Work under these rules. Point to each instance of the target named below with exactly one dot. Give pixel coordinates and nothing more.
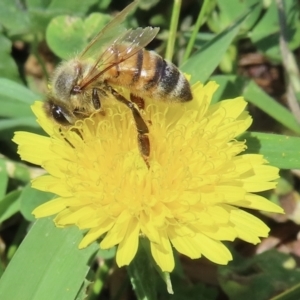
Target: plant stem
(196, 29)
(173, 29)
(289, 63)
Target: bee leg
(61, 133)
(138, 101)
(142, 128)
(95, 99)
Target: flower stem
(173, 29)
(143, 274)
(289, 63)
(200, 21)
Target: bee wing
(108, 34)
(133, 41)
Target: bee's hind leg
(141, 126)
(138, 101)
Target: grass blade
(48, 265)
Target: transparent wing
(108, 34)
(136, 38)
(123, 47)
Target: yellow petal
(129, 245)
(163, 255)
(50, 208)
(261, 203)
(117, 233)
(46, 123)
(185, 245)
(34, 154)
(96, 233)
(50, 183)
(248, 227)
(213, 250)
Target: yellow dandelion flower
(190, 197)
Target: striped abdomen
(149, 75)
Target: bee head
(59, 113)
(62, 100)
(65, 79)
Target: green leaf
(30, 199)
(195, 291)
(8, 67)
(202, 64)
(38, 3)
(47, 265)
(254, 94)
(18, 122)
(265, 35)
(68, 36)
(232, 9)
(20, 171)
(15, 99)
(100, 278)
(9, 205)
(228, 62)
(261, 277)
(42, 12)
(230, 86)
(147, 4)
(65, 35)
(68, 5)
(103, 4)
(107, 253)
(289, 294)
(279, 150)
(14, 17)
(3, 178)
(93, 24)
(82, 294)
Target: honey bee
(115, 57)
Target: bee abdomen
(169, 82)
(175, 84)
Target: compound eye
(59, 115)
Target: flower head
(189, 198)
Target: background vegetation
(249, 47)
